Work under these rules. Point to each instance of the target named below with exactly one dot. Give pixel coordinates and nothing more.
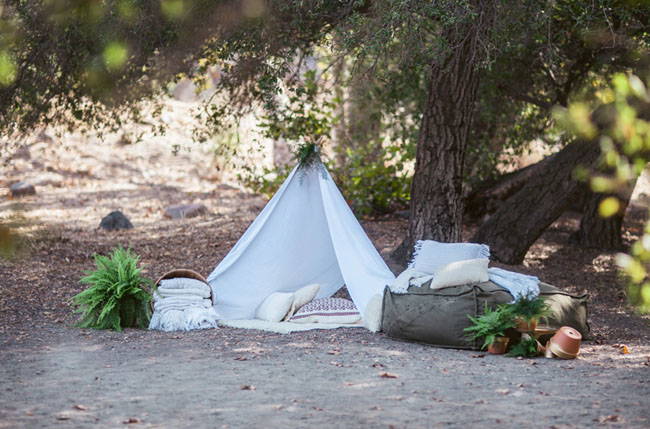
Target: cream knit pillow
(460, 273)
(302, 297)
(274, 307)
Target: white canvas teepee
(305, 234)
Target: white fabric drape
(306, 234)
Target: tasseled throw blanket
(182, 304)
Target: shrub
(117, 297)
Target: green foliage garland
(117, 297)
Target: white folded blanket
(516, 283)
(164, 293)
(183, 283)
(409, 277)
(182, 304)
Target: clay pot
(565, 343)
(499, 346)
(524, 325)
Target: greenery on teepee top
(117, 297)
(308, 153)
(492, 324)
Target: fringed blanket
(182, 304)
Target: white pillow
(460, 273)
(302, 297)
(372, 314)
(430, 254)
(274, 307)
(328, 310)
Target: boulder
(22, 189)
(114, 221)
(184, 210)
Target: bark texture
(490, 195)
(521, 220)
(436, 192)
(598, 232)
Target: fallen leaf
(387, 375)
(240, 358)
(378, 365)
(625, 350)
(503, 391)
(80, 407)
(63, 417)
(132, 420)
(338, 364)
(477, 356)
(247, 387)
(612, 418)
(334, 352)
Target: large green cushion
(439, 317)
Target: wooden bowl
(565, 343)
(186, 274)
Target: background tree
(453, 62)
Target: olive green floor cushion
(439, 317)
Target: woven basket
(188, 274)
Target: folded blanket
(409, 277)
(164, 293)
(184, 319)
(181, 303)
(183, 283)
(179, 298)
(516, 283)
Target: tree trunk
(490, 195)
(602, 233)
(436, 192)
(521, 220)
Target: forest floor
(55, 375)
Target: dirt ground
(55, 375)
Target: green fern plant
(118, 295)
(530, 306)
(491, 324)
(525, 348)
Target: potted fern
(528, 310)
(492, 326)
(118, 296)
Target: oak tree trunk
(512, 229)
(436, 207)
(598, 232)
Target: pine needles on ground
(117, 297)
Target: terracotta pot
(522, 324)
(565, 343)
(499, 346)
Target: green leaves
(622, 128)
(117, 297)
(493, 323)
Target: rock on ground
(184, 210)
(22, 189)
(115, 220)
